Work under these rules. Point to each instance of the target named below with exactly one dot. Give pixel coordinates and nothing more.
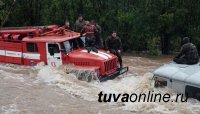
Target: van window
(32, 47)
(55, 48)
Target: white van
(184, 79)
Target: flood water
(43, 90)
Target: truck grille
(110, 65)
(82, 63)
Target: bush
(153, 46)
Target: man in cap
(114, 45)
(188, 54)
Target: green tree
(2, 12)
(142, 24)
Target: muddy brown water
(43, 90)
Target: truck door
(54, 54)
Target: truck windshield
(72, 44)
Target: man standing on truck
(99, 40)
(114, 46)
(189, 54)
(90, 32)
(67, 25)
(80, 22)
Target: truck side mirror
(51, 51)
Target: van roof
(189, 74)
(53, 37)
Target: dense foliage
(141, 24)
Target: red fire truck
(54, 46)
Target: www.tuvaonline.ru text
(142, 97)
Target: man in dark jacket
(114, 45)
(188, 54)
(80, 22)
(90, 32)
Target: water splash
(131, 83)
(10, 109)
(128, 84)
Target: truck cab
(55, 46)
